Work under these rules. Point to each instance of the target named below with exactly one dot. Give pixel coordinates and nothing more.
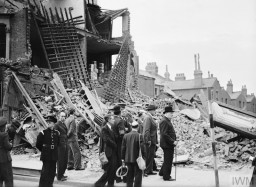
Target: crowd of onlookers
(122, 140)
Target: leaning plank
(92, 99)
(29, 100)
(62, 89)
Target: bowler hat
(3, 121)
(168, 109)
(51, 118)
(151, 107)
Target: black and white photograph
(127, 93)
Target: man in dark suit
(6, 175)
(132, 142)
(74, 154)
(119, 131)
(48, 142)
(63, 147)
(108, 146)
(167, 143)
(150, 138)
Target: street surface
(185, 177)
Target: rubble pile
(44, 94)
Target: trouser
(166, 168)
(6, 175)
(134, 173)
(74, 155)
(253, 179)
(62, 159)
(150, 154)
(47, 174)
(109, 172)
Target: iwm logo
(243, 180)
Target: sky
(170, 32)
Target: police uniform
(47, 142)
(6, 174)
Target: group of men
(122, 141)
(59, 148)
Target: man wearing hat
(119, 131)
(6, 175)
(132, 142)
(167, 143)
(150, 138)
(48, 142)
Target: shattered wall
(18, 35)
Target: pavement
(186, 176)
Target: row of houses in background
(152, 84)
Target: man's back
(130, 147)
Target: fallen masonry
(34, 96)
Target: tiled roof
(179, 85)
(158, 79)
(235, 95)
(190, 84)
(249, 98)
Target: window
(156, 91)
(2, 41)
(226, 101)
(240, 104)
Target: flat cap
(3, 121)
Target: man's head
(109, 118)
(168, 110)
(116, 110)
(62, 116)
(135, 125)
(3, 122)
(151, 109)
(51, 120)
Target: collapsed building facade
(73, 39)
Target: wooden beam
(29, 100)
(63, 91)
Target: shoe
(160, 174)
(151, 173)
(62, 179)
(70, 168)
(156, 169)
(65, 176)
(170, 179)
(80, 168)
(145, 175)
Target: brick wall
(18, 35)
(146, 85)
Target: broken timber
(60, 86)
(29, 100)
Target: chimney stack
(230, 87)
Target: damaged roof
(112, 14)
